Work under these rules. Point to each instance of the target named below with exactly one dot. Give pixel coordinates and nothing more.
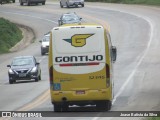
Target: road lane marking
(45, 96)
(29, 16)
(42, 59)
(37, 102)
(149, 21)
(143, 56)
(141, 59)
(102, 22)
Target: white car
(45, 44)
(69, 3)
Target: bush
(149, 2)
(7, 1)
(9, 35)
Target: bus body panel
(80, 68)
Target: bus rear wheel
(65, 107)
(103, 105)
(61, 107)
(57, 108)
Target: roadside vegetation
(154, 118)
(10, 34)
(148, 2)
(6, 1)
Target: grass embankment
(154, 118)
(148, 2)
(10, 34)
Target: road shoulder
(28, 38)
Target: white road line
(144, 54)
(140, 60)
(42, 59)
(29, 16)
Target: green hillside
(10, 34)
(149, 2)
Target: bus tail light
(107, 75)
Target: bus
(80, 66)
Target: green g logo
(78, 40)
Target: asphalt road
(134, 31)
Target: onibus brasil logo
(78, 40)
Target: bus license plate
(80, 92)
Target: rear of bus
(80, 67)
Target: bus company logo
(78, 40)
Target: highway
(134, 31)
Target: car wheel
(109, 105)
(67, 5)
(82, 5)
(13, 1)
(61, 5)
(42, 53)
(28, 2)
(21, 3)
(103, 105)
(43, 3)
(11, 81)
(65, 107)
(37, 79)
(39, 76)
